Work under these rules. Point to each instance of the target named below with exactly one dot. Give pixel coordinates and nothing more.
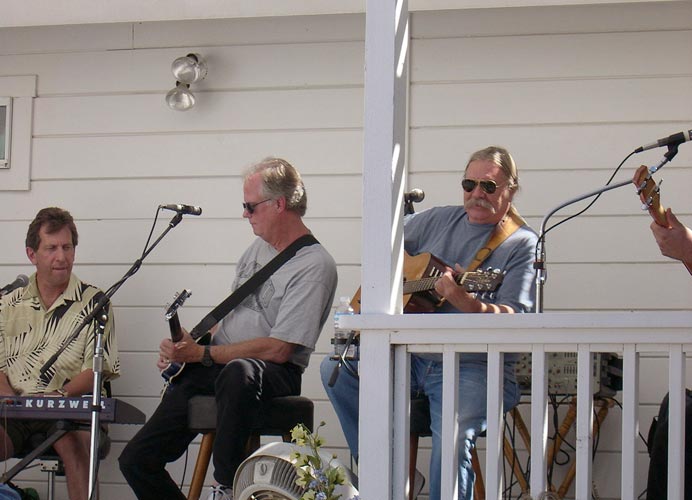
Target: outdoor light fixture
(187, 70)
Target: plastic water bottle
(341, 335)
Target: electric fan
(269, 474)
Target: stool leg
(201, 466)
(51, 485)
(510, 453)
(253, 444)
(478, 484)
(413, 458)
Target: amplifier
(606, 373)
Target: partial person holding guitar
(35, 320)
(673, 237)
(258, 350)
(486, 231)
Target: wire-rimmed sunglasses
(488, 186)
(250, 207)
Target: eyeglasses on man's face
(488, 186)
(250, 207)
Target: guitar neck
(174, 326)
(425, 284)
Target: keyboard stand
(63, 427)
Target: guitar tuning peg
(642, 185)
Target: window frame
(6, 138)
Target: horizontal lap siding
(107, 148)
(569, 90)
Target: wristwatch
(206, 357)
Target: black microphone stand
(101, 317)
(539, 264)
(342, 357)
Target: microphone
(414, 196)
(671, 140)
(183, 209)
(22, 280)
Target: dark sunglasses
(250, 207)
(469, 185)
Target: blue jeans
(426, 379)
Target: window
(16, 116)
(5, 128)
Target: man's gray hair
(281, 179)
(500, 157)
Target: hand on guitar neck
(170, 368)
(672, 237)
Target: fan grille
(269, 495)
(280, 486)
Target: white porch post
(386, 74)
(676, 422)
(584, 435)
(630, 419)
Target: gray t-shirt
(446, 233)
(292, 305)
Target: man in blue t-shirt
(457, 235)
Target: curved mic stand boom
(101, 317)
(539, 264)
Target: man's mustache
(479, 202)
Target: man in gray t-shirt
(258, 351)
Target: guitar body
(420, 274)
(419, 267)
(175, 369)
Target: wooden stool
(277, 418)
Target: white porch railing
(387, 340)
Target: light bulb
(189, 69)
(180, 98)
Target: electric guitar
(171, 315)
(422, 271)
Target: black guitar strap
(235, 298)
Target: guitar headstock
(482, 281)
(650, 195)
(178, 300)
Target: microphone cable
(541, 238)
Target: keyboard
(68, 408)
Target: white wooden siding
(569, 90)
